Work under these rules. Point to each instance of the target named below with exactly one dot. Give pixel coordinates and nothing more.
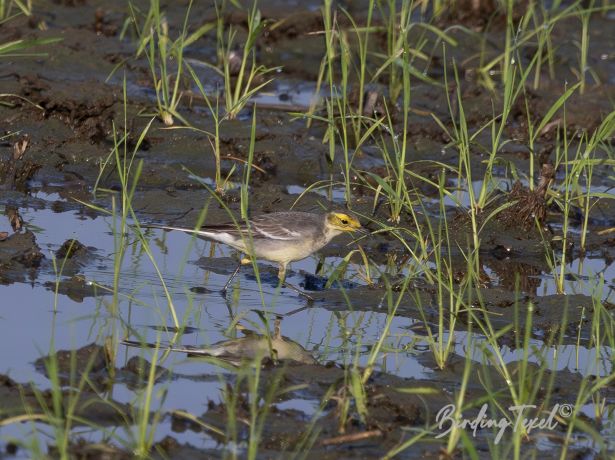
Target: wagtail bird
(281, 237)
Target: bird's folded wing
(274, 231)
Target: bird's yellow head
(342, 222)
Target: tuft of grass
(12, 8)
(243, 77)
(165, 56)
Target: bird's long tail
(221, 233)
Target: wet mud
(58, 112)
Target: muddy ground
(57, 115)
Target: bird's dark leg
(230, 280)
(282, 278)
(232, 277)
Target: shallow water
(37, 319)
(33, 318)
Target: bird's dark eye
(344, 221)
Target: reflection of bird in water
(252, 346)
(281, 237)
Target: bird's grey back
(299, 223)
